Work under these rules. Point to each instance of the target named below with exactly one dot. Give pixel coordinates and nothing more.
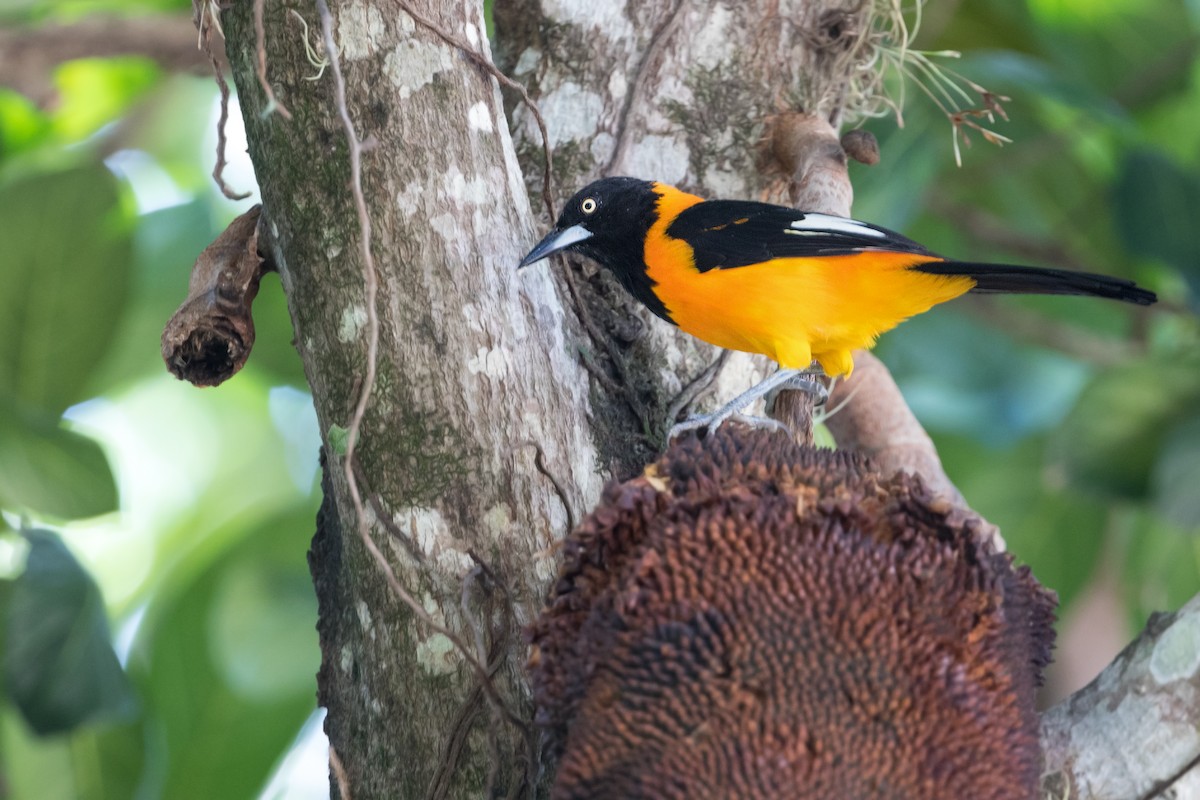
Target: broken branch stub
(210, 336)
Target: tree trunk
(494, 412)
(476, 383)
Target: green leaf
(21, 124)
(1155, 204)
(59, 666)
(1055, 531)
(209, 665)
(35, 767)
(982, 383)
(94, 91)
(1123, 47)
(165, 244)
(1016, 74)
(49, 470)
(1111, 440)
(1176, 476)
(1161, 566)
(65, 260)
(167, 131)
(261, 630)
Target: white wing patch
(816, 224)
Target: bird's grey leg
(785, 378)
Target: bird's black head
(606, 221)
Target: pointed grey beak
(554, 242)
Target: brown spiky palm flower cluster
(753, 619)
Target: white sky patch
(479, 118)
(152, 187)
(239, 171)
(294, 417)
(303, 774)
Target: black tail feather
(1010, 279)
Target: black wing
(736, 233)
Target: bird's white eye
(588, 205)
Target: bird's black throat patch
(626, 209)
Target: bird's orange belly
(795, 309)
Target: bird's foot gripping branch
(803, 380)
(750, 618)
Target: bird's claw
(706, 422)
(805, 382)
(710, 422)
(802, 380)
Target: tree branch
(1131, 733)
(29, 55)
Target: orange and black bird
(793, 285)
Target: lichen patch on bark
(353, 319)
(574, 110)
(479, 118)
(413, 64)
(1176, 655)
(360, 28)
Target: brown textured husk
(750, 618)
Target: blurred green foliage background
(156, 612)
